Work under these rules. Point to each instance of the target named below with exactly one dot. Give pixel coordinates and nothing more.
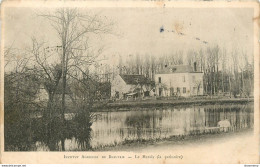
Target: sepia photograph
(133, 79)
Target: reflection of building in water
(113, 128)
(117, 127)
(184, 121)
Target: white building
(181, 80)
(124, 86)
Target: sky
(155, 31)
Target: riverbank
(178, 143)
(231, 147)
(175, 102)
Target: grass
(172, 140)
(175, 102)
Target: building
(130, 86)
(43, 95)
(181, 80)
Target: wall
(181, 80)
(42, 95)
(118, 84)
(197, 83)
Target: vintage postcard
(129, 82)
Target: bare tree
(48, 72)
(73, 29)
(223, 68)
(216, 66)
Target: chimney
(195, 66)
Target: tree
(73, 29)
(216, 63)
(223, 68)
(48, 73)
(20, 92)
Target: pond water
(118, 127)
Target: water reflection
(151, 124)
(111, 128)
(40, 134)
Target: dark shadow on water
(30, 134)
(82, 130)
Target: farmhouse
(181, 80)
(130, 86)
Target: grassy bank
(178, 141)
(175, 102)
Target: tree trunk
(63, 90)
(223, 89)
(230, 89)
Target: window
(184, 90)
(183, 78)
(117, 94)
(171, 91)
(160, 80)
(174, 69)
(178, 90)
(160, 91)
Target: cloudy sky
(156, 31)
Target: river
(112, 128)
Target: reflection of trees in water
(52, 133)
(138, 123)
(239, 116)
(145, 124)
(195, 120)
(22, 134)
(82, 133)
(17, 131)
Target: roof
(178, 69)
(135, 79)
